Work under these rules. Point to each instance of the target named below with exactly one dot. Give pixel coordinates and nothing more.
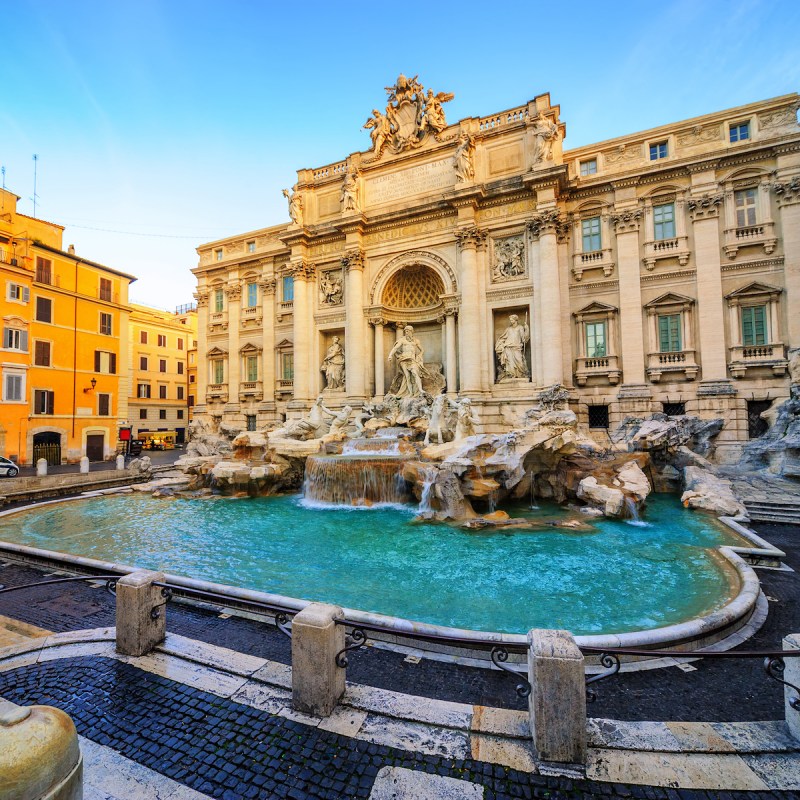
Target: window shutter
(26, 294)
(113, 363)
(759, 325)
(23, 340)
(6, 337)
(97, 361)
(663, 333)
(9, 290)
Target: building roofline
(76, 257)
(39, 219)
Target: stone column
(303, 326)
(788, 195)
(557, 702)
(379, 357)
(545, 228)
(141, 613)
(792, 675)
(233, 291)
(450, 350)
(626, 222)
(317, 681)
(268, 356)
(355, 333)
(201, 385)
(469, 240)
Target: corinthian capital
(234, 290)
(626, 220)
(302, 270)
(548, 222)
(706, 205)
(471, 237)
(202, 299)
(268, 286)
(353, 259)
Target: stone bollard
(120, 462)
(141, 613)
(41, 468)
(84, 464)
(39, 754)
(317, 682)
(557, 702)
(792, 675)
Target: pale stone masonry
(656, 271)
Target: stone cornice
(586, 288)
(761, 264)
(664, 276)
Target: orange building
(65, 345)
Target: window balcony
(600, 369)
(674, 365)
(762, 234)
(285, 386)
(284, 308)
(251, 390)
(217, 392)
(218, 321)
(757, 357)
(676, 247)
(597, 259)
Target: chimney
(71, 249)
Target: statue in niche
(545, 132)
(349, 195)
(465, 422)
(462, 160)
(333, 366)
(510, 349)
(380, 130)
(330, 288)
(295, 201)
(409, 354)
(509, 257)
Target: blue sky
(172, 123)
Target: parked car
(136, 447)
(8, 468)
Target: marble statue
(545, 132)
(295, 201)
(509, 257)
(437, 420)
(462, 160)
(380, 130)
(341, 420)
(312, 426)
(433, 118)
(409, 354)
(465, 422)
(349, 194)
(510, 349)
(333, 366)
(330, 288)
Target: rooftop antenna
(35, 163)
(3, 170)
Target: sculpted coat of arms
(411, 114)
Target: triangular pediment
(669, 299)
(754, 289)
(217, 351)
(284, 344)
(597, 308)
(249, 348)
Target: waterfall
(354, 480)
(376, 447)
(427, 491)
(633, 514)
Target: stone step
(788, 507)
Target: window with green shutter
(252, 368)
(664, 221)
(669, 333)
(595, 339)
(590, 230)
(754, 325)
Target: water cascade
(355, 480)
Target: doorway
(95, 446)
(47, 445)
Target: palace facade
(659, 271)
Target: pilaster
(303, 274)
(355, 325)
(469, 239)
(202, 348)
(787, 194)
(268, 286)
(233, 292)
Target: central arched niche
(413, 287)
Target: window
(590, 228)
(669, 333)
(190, 401)
(41, 353)
(162, 340)
(21, 294)
(658, 150)
(588, 167)
(598, 417)
(44, 270)
(105, 289)
(43, 401)
(179, 413)
(219, 301)
(664, 221)
(180, 343)
(105, 362)
(218, 370)
(287, 366)
(143, 390)
(250, 419)
(251, 247)
(162, 392)
(104, 405)
(251, 370)
(218, 254)
(180, 368)
(740, 132)
(745, 203)
(180, 392)
(252, 295)
(595, 339)
(142, 413)
(13, 387)
(162, 413)
(142, 337)
(754, 325)
(105, 324)
(44, 309)
(143, 363)
(674, 409)
(756, 424)
(15, 339)
(287, 292)
(192, 378)
(162, 364)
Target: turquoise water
(615, 577)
